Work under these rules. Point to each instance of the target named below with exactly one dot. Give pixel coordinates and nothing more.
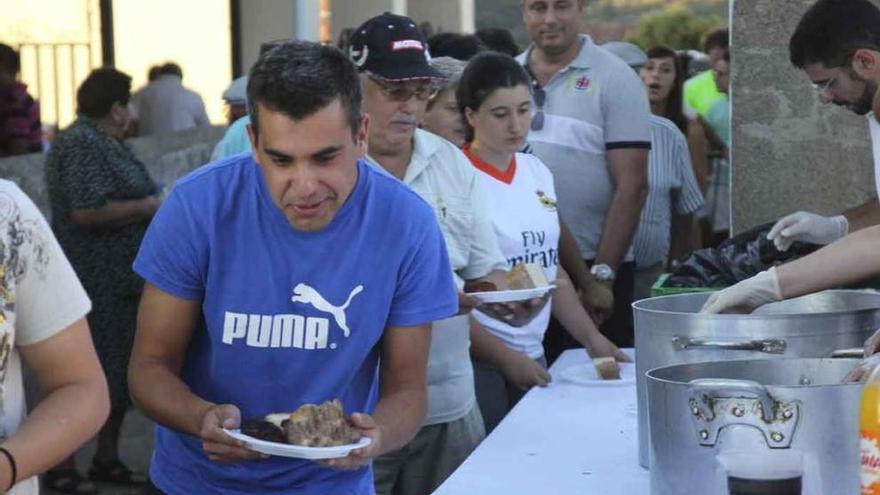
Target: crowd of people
(325, 250)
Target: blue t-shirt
(288, 317)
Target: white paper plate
(586, 374)
(500, 296)
(296, 451)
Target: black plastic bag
(735, 259)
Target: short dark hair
(154, 72)
(10, 62)
(674, 105)
(299, 78)
(499, 40)
(485, 73)
(832, 30)
(171, 69)
(716, 38)
(458, 46)
(100, 90)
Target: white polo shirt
(595, 104)
(441, 174)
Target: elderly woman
(102, 199)
(42, 322)
(442, 116)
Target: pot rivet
(738, 412)
(776, 436)
(696, 411)
(704, 434)
(787, 414)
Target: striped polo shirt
(672, 187)
(595, 104)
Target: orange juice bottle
(869, 431)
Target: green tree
(675, 27)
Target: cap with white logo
(392, 47)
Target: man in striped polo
(673, 193)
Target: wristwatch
(602, 273)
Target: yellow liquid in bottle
(869, 428)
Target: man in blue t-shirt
(296, 275)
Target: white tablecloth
(562, 439)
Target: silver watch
(602, 273)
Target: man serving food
(295, 275)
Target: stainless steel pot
(704, 414)
(669, 330)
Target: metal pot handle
(852, 352)
(718, 387)
(769, 346)
(717, 403)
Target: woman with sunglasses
(493, 95)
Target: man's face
(553, 25)
(842, 86)
(309, 164)
(395, 110)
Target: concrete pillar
(263, 21)
(790, 151)
(307, 17)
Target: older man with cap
(673, 193)
(398, 81)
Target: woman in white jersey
(493, 95)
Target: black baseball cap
(392, 47)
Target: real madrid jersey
(522, 204)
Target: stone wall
(167, 157)
(790, 151)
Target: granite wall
(789, 150)
(167, 157)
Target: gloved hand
(862, 372)
(807, 227)
(747, 295)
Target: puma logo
(303, 293)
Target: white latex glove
(747, 295)
(862, 372)
(807, 227)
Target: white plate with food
(586, 374)
(502, 296)
(296, 451)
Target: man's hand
(747, 295)
(362, 456)
(598, 300)
(219, 446)
(524, 372)
(807, 227)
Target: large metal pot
(669, 330)
(704, 414)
